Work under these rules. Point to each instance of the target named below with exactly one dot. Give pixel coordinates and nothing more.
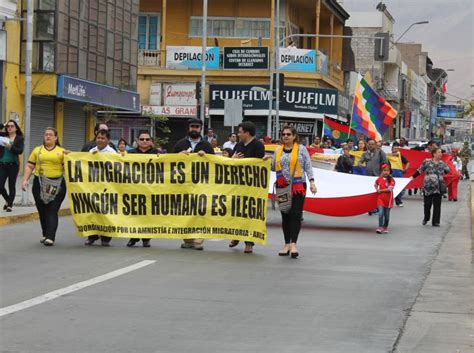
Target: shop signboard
(300, 60)
(189, 58)
(246, 58)
(178, 94)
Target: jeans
(48, 213)
(8, 171)
(291, 222)
(384, 216)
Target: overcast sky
(448, 38)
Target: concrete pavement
(350, 291)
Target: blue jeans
(384, 216)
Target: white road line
(72, 288)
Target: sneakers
(48, 242)
(379, 230)
(42, 240)
(385, 230)
(146, 243)
(400, 204)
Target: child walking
(384, 185)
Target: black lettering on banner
(99, 203)
(94, 171)
(200, 172)
(127, 177)
(135, 173)
(134, 205)
(218, 207)
(178, 204)
(117, 172)
(75, 176)
(177, 175)
(248, 207)
(246, 175)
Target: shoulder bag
(49, 188)
(284, 195)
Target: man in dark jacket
(193, 143)
(91, 144)
(145, 145)
(248, 147)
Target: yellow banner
(172, 196)
(325, 158)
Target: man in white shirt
(231, 143)
(102, 140)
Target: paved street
(350, 291)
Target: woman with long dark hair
(292, 165)
(49, 188)
(10, 149)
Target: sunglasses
(144, 139)
(10, 125)
(287, 134)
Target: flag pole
(359, 75)
(322, 130)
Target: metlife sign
(94, 93)
(298, 102)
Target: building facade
(84, 61)
(240, 45)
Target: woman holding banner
(433, 185)
(49, 188)
(292, 165)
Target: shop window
(252, 28)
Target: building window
(229, 27)
(252, 28)
(148, 31)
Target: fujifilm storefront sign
(297, 101)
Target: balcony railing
(149, 57)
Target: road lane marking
(72, 288)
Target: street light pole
(409, 27)
(277, 70)
(203, 60)
(28, 86)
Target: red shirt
(385, 199)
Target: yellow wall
(42, 84)
(300, 12)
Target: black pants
(291, 222)
(102, 237)
(48, 213)
(435, 200)
(8, 171)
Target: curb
(28, 217)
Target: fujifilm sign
(297, 101)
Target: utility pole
(28, 86)
(277, 71)
(203, 60)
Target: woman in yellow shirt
(47, 161)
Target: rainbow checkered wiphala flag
(371, 114)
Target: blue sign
(293, 59)
(95, 93)
(450, 111)
(189, 58)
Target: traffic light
(281, 80)
(381, 47)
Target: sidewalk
(442, 317)
(25, 213)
